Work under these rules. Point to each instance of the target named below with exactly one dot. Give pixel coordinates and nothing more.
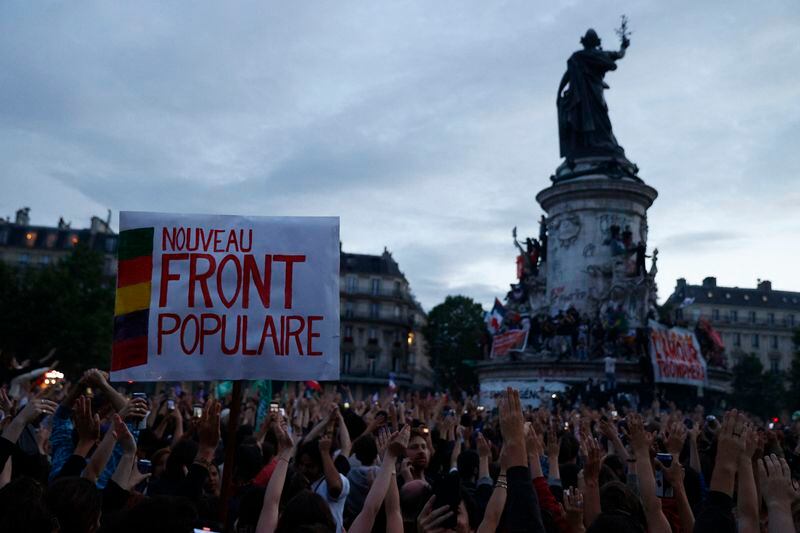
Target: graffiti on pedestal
(566, 229)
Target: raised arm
(344, 436)
(332, 477)
(268, 519)
(774, 479)
(123, 436)
(747, 497)
(641, 441)
(377, 492)
(99, 379)
(591, 478)
(497, 502)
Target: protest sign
(213, 297)
(514, 339)
(676, 356)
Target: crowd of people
(89, 456)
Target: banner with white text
(676, 356)
(513, 339)
(213, 297)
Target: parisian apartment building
(760, 321)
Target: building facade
(759, 321)
(25, 245)
(381, 325)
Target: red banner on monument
(676, 356)
(503, 343)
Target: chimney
(709, 282)
(23, 217)
(681, 284)
(765, 285)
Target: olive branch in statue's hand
(623, 31)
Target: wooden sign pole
(230, 452)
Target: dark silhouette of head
(590, 40)
(76, 503)
(307, 511)
(22, 507)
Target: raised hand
(208, 427)
(775, 482)
(640, 439)
(676, 437)
(325, 443)
(135, 409)
(284, 440)
(6, 405)
(430, 521)
(36, 408)
(123, 435)
(484, 448)
(730, 439)
(573, 508)
(512, 428)
(399, 442)
(594, 458)
(553, 444)
(86, 424)
(533, 442)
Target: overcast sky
(428, 127)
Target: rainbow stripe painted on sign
(132, 306)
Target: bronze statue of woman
(583, 124)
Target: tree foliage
(454, 331)
(67, 305)
(755, 390)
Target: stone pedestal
(585, 267)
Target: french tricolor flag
(494, 318)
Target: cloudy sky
(428, 127)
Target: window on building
(395, 364)
(348, 310)
(348, 332)
(44, 259)
(774, 342)
(734, 315)
(374, 310)
(30, 239)
(346, 359)
(373, 334)
(3, 235)
(754, 340)
(715, 314)
(790, 319)
(771, 318)
(372, 365)
(351, 284)
(398, 291)
(397, 311)
(737, 339)
(774, 365)
(752, 317)
(52, 237)
(376, 286)
(23, 259)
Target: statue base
(596, 241)
(613, 167)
